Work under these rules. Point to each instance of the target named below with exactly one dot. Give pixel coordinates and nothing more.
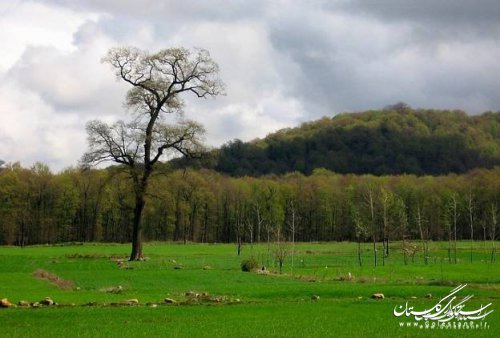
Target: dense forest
(392, 141)
(37, 206)
(413, 191)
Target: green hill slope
(395, 140)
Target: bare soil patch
(54, 279)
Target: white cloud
(247, 121)
(27, 23)
(34, 132)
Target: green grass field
(240, 304)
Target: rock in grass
(428, 295)
(169, 301)
(192, 294)
(315, 297)
(378, 296)
(23, 303)
(47, 301)
(113, 289)
(90, 304)
(132, 301)
(4, 302)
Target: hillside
(394, 140)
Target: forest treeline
(37, 206)
(392, 141)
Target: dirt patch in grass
(442, 282)
(54, 279)
(319, 252)
(95, 256)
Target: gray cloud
(443, 12)
(171, 10)
(358, 56)
(284, 62)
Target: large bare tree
(156, 82)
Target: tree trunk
(422, 238)
(359, 252)
(449, 242)
(471, 222)
(493, 232)
(372, 214)
(455, 229)
(205, 224)
(136, 254)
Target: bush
(249, 264)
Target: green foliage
(39, 207)
(249, 264)
(395, 140)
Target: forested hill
(391, 141)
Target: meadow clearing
(326, 293)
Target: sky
(283, 62)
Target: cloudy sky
(283, 62)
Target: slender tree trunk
(268, 230)
(205, 224)
(471, 222)
(359, 252)
(385, 231)
(372, 214)
(259, 221)
(455, 217)
(136, 254)
(493, 232)
(403, 221)
(483, 223)
(292, 228)
(449, 241)
(332, 226)
(422, 238)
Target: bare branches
(123, 143)
(184, 137)
(158, 78)
(118, 142)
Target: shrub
(249, 264)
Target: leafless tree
(470, 208)
(292, 227)
(369, 198)
(494, 221)
(424, 233)
(156, 82)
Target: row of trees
(37, 206)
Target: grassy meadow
(93, 283)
